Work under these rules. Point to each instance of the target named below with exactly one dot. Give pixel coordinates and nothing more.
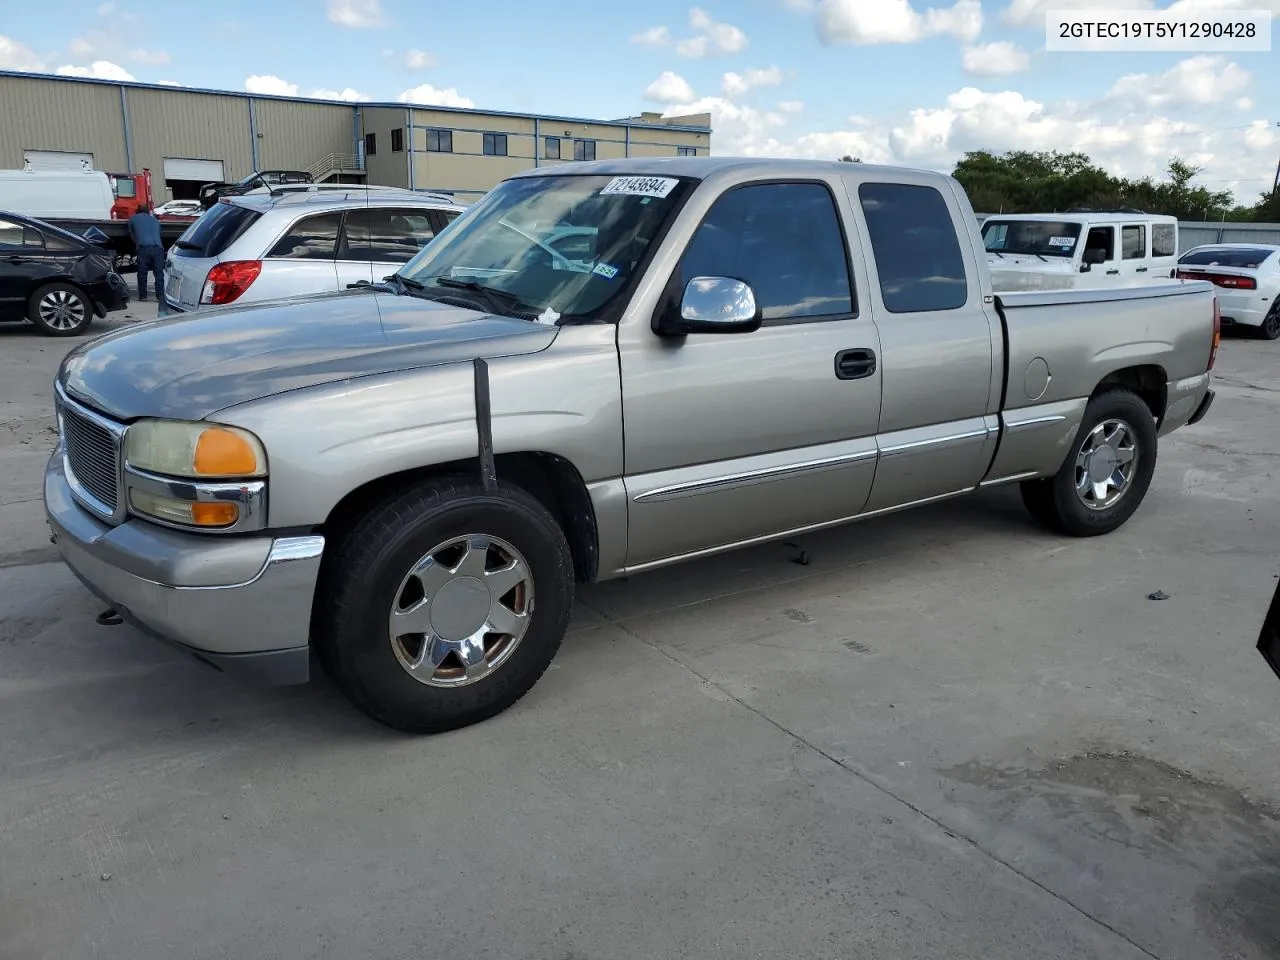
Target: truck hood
(187, 368)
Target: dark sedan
(55, 279)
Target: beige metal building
(188, 137)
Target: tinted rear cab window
(916, 250)
(215, 231)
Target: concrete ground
(949, 735)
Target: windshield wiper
(997, 253)
(504, 301)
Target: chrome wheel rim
(461, 611)
(61, 310)
(1105, 464)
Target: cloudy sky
(894, 81)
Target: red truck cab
(131, 190)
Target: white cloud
(1024, 13)
(653, 37)
(994, 59)
(1127, 139)
(80, 47)
(270, 85)
(106, 9)
(710, 37)
(737, 84)
(419, 60)
(894, 21)
(713, 36)
(669, 88)
(17, 56)
(791, 106)
(1200, 81)
(100, 69)
(346, 93)
(148, 56)
(1244, 103)
(356, 14)
(427, 95)
(170, 83)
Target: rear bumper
(1203, 409)
(110, 295)
(1186, 401)
(239, 604)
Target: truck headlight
(207, 476)
(198, 451)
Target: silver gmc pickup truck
(408, 479)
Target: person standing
(144, 228)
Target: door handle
(359, 283)
(1140, 270)
(855, 364)
(1111, 273)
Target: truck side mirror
(1094, 255)
(712, 305)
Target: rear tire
(1106, 474)
(1270, 327)
(425, 613)
(60, 310)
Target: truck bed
(117, 232)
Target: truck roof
(1082, 218)
(702, 167)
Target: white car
(289, 244)
(179, 208)
(1247, 276)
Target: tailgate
(184, 279)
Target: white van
(1056, 251)
(57, 194)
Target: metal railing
(335, 163)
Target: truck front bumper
(239, 604)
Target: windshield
(513, 242)
(1249, 257)
(1045, 238)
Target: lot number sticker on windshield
(640, 186)
(1062, 241)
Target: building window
(495, 144)
(370, 144)
(551, 149)
(397, 140)
(584, 149)
(686, 151)
(440, 141)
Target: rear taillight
(1225, 280)
(1217, 333)
(227, 281)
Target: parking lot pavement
(947, 734)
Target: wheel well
(1148, 381)
(553, 480)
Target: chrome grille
(92, 455)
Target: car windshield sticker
(639, 186)
(606, 270)
(1062, 241)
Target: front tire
(426, 615)
(60, 310)
(1106, 475)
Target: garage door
(56, 159)
(206, 171)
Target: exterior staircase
(338, 168)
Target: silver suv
(292, 243)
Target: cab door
(940, 340)
(21, 265)
(730, 438)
